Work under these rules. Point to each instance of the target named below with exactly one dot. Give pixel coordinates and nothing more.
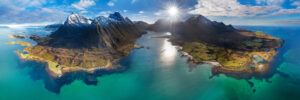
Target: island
(230, 50)
(82, 44)
(17, 36)
(19, 43)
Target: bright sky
(236, 12)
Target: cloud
(270, 2)
(16, 12)
(10, 9)
(296, 3)
(133, 1)
(47, 10)
(82, 12)
(140, 17)
(35, 3)
(110, 3)
(158, 13)
(229, 8)
(125, 11)
(23, 3)
(287, 11)
(36, 16)
(287, 22)
(141, 12)
(82, 4)
(105, 13)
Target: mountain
(113, 32)
(141, 23)
(53, 26)
(75, 19)
(102, 32)
(84, 44)
(230, 49)
(201, 29)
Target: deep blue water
(155, 73)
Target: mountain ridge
(230, 50)
(105, 40)
(85, 44)
(76, 19)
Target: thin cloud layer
(15, 12)
(270, 2)
(82, 4)
(228, 8)
(236, 9)
(110, 3)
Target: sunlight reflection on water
(168, 52)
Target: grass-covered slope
(235, 60)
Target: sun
(173, 11)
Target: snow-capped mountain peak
(116, 16)
(101, 20)
(76, 19)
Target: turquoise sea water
(155, 73)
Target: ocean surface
(156, 72)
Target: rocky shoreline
(219, 68)
(56, 70)
(53, 68)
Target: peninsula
(82, 44)
(228, 49)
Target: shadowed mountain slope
(231, 50)
(84, 44)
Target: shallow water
(155, 73)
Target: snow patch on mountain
(75, 19)
(115, 18)
(112, 19)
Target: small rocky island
(82, 44)
(229, 50)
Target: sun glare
(173, 11)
